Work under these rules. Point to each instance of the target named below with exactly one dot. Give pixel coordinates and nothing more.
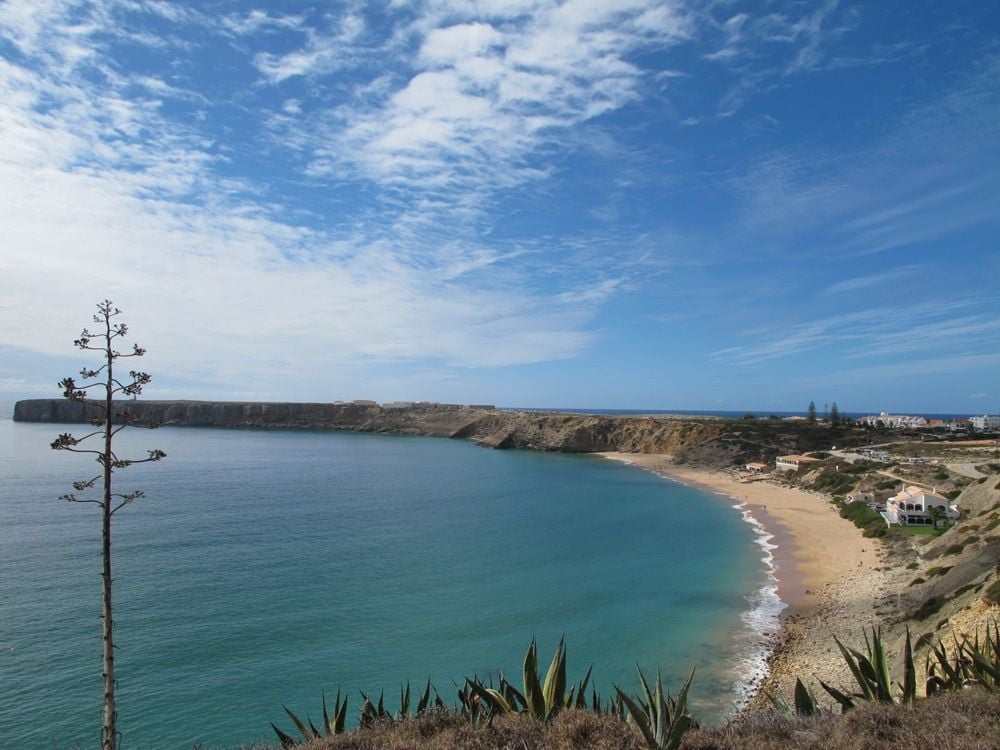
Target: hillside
(701, 441)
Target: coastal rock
(569, 433)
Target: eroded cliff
(572, 433)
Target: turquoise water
(264, 567)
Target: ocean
(264, 567)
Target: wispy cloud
(884, 280)
(484, 95)
(917, 332)
(104, 194)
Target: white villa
(792, 463)
(911, 507)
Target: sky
(622, 204)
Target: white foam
(763, 620)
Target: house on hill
(792, 463)
(912, 507)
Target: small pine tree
(811, 413)
(109, 423)
(834, 415)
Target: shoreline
(827, 576)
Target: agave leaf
(285, 740)
(534, 700)
(326, 716)
(340, 714)
(555, 681)
(681, 721)
(302, 727)
(645, 689)
(985, 668)
(581, 700)
(404, 701)
(805, 701)
(315, 731)
(779, 703)
(570, 697)
(881, 666)
(851, 657)
(425, 698)
(660, 713)
(909, 672)
(639, 717)
(845, 702)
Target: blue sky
(673, 204)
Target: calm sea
(265, 567)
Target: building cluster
(414, 404)
(985, 423)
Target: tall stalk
(111, 502)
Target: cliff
(572, 433)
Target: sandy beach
(833, 579)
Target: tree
(811, 413)
(937, 514)
(834, 415)
(110, 422)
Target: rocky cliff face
(570, 433)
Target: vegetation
(991, 595)
(109, 423)
(878, 712)
(660, 719)
(811, 413)
(870, 521)
(938, 570)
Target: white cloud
(102, 195)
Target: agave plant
(973, 663)
(662, 720)
(871, 673)
(539, 700)
(805, 703)
(332, 724)
(423, 703)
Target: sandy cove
(834, 580)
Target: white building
(986, 423)
(894, 420)
(911, 507)
(792, 463)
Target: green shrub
(954, 549)
(888, 484)
(938, 570)
(942, 475)
(917, 580)
(913, 566)
(929, 607)
(876, 529)
(992, 593)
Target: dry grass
(446, 731)
(969, 720)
